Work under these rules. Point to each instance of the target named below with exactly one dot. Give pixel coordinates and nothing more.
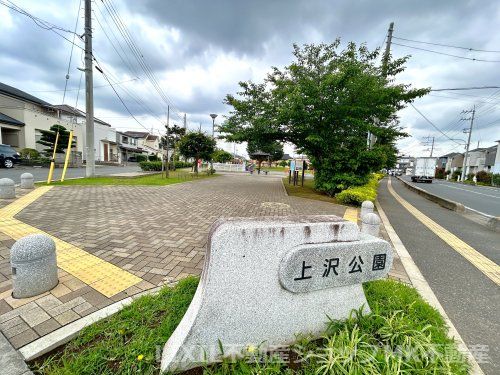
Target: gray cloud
(173, 35)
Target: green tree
(221, 156)
(175, 133)
(198, 146)
(325, 103)
(48, 139)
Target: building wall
(35, 117)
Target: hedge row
(156, 165)
(358, 194)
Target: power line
(468, 88)
(434, 126)
(40, 22)
(99, 86)
(446, 54)
(71, 53)
(447, 45)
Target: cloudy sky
(198, 50)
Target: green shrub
(456, 174)
(150, 165)
(140, 157)
(470, 176)
(29, 153)
(358, 194)
(484, 177)
(153, 158)
(439, 173)
(156, 165)
(496, 179)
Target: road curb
(488, 221)
(418, 281)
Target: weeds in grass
(402, 335)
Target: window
(124, 139)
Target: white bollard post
(366, 208)
(370, 224)
(7, 189)
(27, 181)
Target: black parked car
(8, 156)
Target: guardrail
(489, 221)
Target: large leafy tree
(48, 139)
(221, 156)
(175, 133)
(198, 146)
(325, 103)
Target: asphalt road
(480, 198)
(40, 174)
(471, 299)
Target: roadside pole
(473, 112)
(89, 93)
(167, 167)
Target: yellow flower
(251, 348)
(140, 357)
(121, 331)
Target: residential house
(442, 160)
(489, 160)
(481, 159)
(105, 145)
(23, 116)
(454, 162)
(148, 142)
(496, 165)
(128, 146)
(404, 163)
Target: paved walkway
(136, 237)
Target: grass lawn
(402, 335)
(307, 191)
(152, 179)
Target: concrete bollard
(366, 208)
(34, 265)
(370, 224)
(27, 181)
(7, 188)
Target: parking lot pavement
(40, 174)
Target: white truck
(424, 169)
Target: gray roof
(4, 119)
(75, 111)
(136, 134)
(18, 94)
(450, 155)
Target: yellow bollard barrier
(66, 159)
(52, 162)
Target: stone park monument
(265, 280)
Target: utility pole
(473, 112)
(428, 142)
(185, 122)
(387, 51)
(167, 172)
(89, 93)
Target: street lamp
(213, 115)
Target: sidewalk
(115, 242)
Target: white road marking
(472, 191)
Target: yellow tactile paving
(484, 264)
(351, 214)
(103, 276)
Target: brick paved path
(156, 233)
